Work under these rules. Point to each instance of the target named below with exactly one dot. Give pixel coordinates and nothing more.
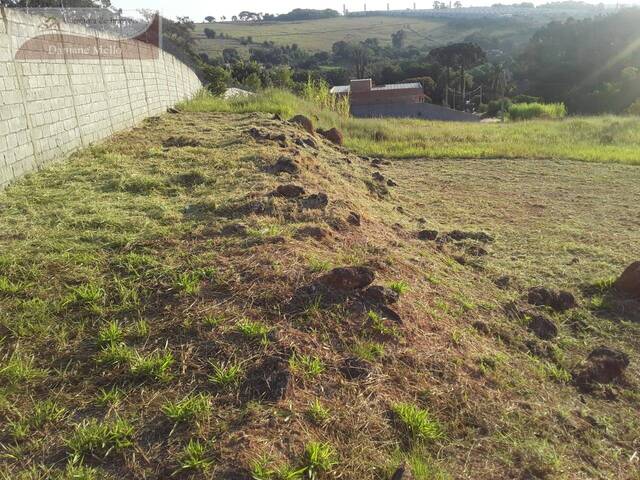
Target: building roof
(395, 86)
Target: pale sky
(198, 9)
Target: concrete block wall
(50, 107)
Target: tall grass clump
(529, 111)
(319, 93)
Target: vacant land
(559, 222)
(320, 35)
(166, 311)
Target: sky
(198, 9)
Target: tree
(209, 33)
(458, 4)
(230, 55)
(398, 39)
(253, 82)
(234, 19)
(216, 79)
(461, 55)
(210, 19)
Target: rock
(458, 235)
(558, 301)
(354, 219)
(427, 234)
(269, 381)
(173, 110)
(348, 278)
(354, 368)
(290, 190)
(234, 229)
(333, 135)
(276, 117)
(603, 365)
(503, 282)
(378, 177)
(629, 281)
(317, 200)
(285, 165)
(391, 183)
(543, 327)
(304, 122)
(403, 472)
(313, 232)
(380, 295)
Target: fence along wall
(49, 107)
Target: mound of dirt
(333, 135)
(559, 301)
(629, 281)
(603, 365)
(304, 122)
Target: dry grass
(121, 254)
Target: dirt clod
(378, 177)
(317, 233)
(380, 295)
(427, 234)
(333, 135)
(348, 278)
(543, 327)
(629, 281)
(603, 365)
(285, 165)
(354, 219)
(290, 190)
(459, 235)
(354, 368)
(304, 122)
(269, 381)
(558, 301)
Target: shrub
(528, 111)
(493, 109)
(634, 108)
(216, 79)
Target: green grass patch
(591, 139)
(418, 423)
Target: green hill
(319, 35)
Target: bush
(528, 111)
(493, 109)
(634, 108)
(216, 79)
(209, 33)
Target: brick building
(363, 92)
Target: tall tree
(461, 55)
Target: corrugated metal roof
(395, 86)
(398, 86)
(341, 89)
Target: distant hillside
(502, 29)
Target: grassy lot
(319, 35)
(590, 139)
(579, 219)
(162, 313)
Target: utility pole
(387, 7)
